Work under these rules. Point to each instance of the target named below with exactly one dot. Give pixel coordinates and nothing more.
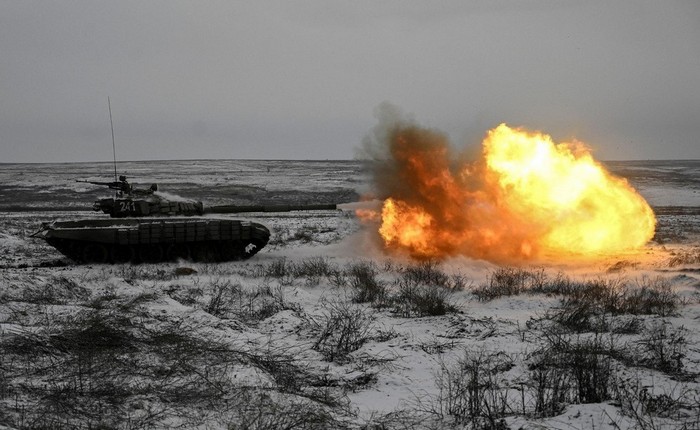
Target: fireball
(525, 197)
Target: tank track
(156, 240)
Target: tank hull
(154, 240)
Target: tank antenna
(114, 150)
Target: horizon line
(288, 159)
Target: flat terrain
(323, 329)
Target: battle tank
(145, 227)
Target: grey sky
(301, 79)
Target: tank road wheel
(151, 253)
(251, 248)
(123, 254)
(197, 252)
(178, 251)
(202, 252)
(229, 251)
(95, 253)
(74, 251)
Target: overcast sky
(302, 79)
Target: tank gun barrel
(233, 209)
(111, 185)
(121, 185)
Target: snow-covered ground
(323, 329)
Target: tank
(144, 227)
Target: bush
(423, 290)
(678, 258)
(560, 284)
(566, 369)
(580, 316)
(588, 306)
(419, 300)
(598, 295)
(427, 273)
(104, 368)
(662, 348)
(313, 267)
(343, 328)
(259, 410)
(225, 299)
(509, 281)
(366, 288)
(277, 269)
(472, 390)
(654, 296)
(651, 408)
(627, 325)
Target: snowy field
(323, 329)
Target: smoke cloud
(521, 198)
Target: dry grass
(110, 363)
(99, 350)
(684, 257)
(343, 328)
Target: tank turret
(122, 186)
(135, 202)
(151, 228)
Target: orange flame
(526, 197)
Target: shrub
(277, 269)
(366, 288)
(313, 267)
(427, 273)
(423, 290)
(343, 328)
(621, 266)
(566, 369)
(588, 306)
(560, 284)
(627, 325)
(551, 389)
(651, 408)
(117, 361)
(654, 296)
(598, 295)
(420, 300)
(259, 410)
(472, 390)
(663, 348)
(579, 317)
(678, 258)
(266, 301)
(186, 295)
(223, 298)
(509, 281)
